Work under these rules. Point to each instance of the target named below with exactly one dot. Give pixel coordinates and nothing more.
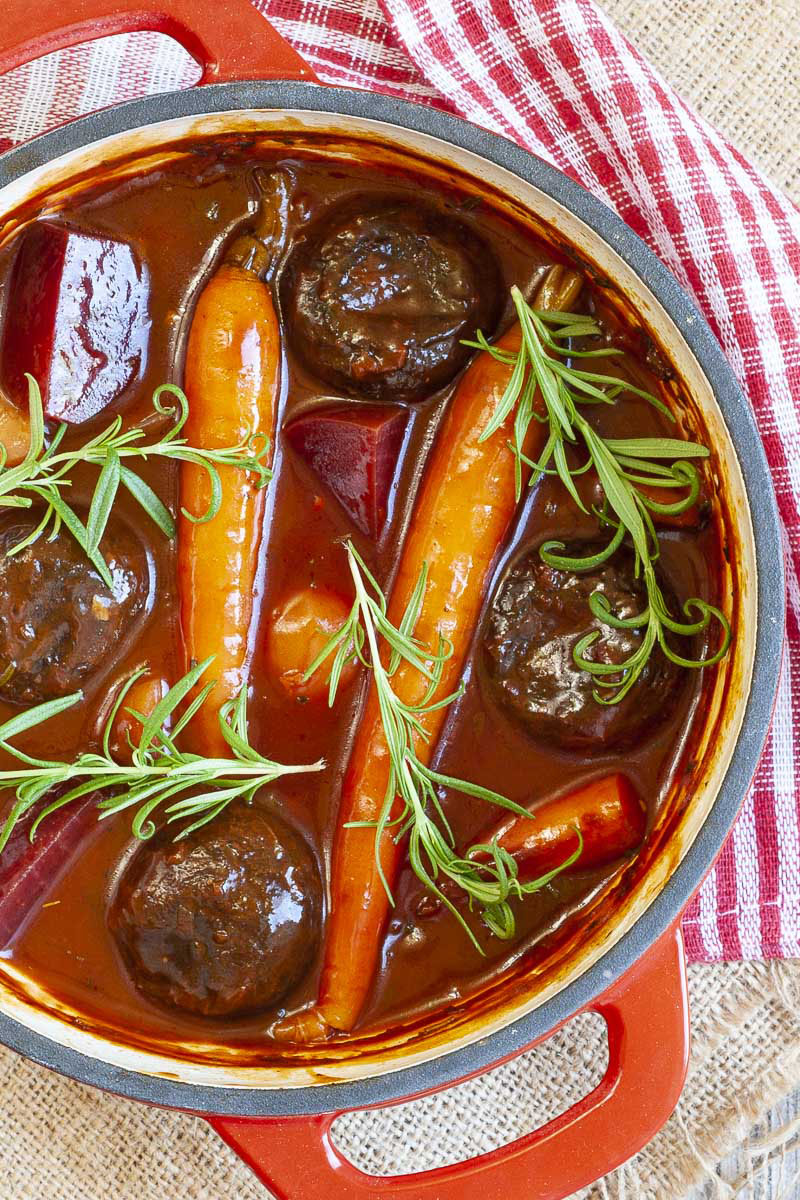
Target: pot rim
(668, 905)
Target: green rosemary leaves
(43, 477)
(486, 873)
(633, 473)
(159, 775)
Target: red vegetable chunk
(76, 319)
(30, 870)
(355, 451)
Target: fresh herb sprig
(486, 873)
(44, 475)
(631, 472)
(159, 773)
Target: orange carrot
(142, 696)
(15, 433)
(461, 518)
(232, 385)
(608, 813)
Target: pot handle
(647, 1016)
(229, 39)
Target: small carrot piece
(142, 696)
(607, 812)
(461, 518)
(232, 384)
(298, 629)
(15, 432)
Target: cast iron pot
(278, 1117)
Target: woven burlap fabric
(737, 62)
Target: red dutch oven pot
(636, 978)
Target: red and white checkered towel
(557, 77)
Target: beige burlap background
(739, 63)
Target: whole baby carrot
(232, 381)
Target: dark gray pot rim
(667, 907)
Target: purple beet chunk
(76, 319)
(30, 870)
(355, 451)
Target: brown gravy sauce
(176, 217)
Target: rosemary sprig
(158, 772)
(487, 873)
(629, 470)
(44, 474)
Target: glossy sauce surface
(175, 220)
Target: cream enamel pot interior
(737, 711)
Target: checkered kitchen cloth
(557, 77)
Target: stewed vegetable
(362, 581)
(79, 320)
(605, 819)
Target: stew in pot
(360, 573)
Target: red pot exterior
(229, 39)
(647, 1018)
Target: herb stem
(486, 874)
